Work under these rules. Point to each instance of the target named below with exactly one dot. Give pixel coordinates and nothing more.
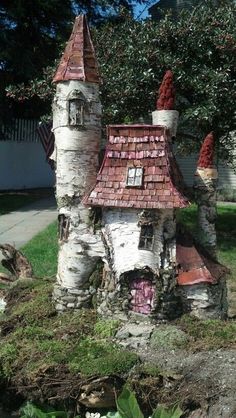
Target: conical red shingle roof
(166, 93)
(206, 156)
(78, 61)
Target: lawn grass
(12, 202)
(42, 252)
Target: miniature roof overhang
(146, 147)
(78, 61)
(194, 265)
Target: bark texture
(77, 148)
(205, 191)
(16, 262)
(168, 118)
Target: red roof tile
(78, 61)
(162, 185)
(194, 266)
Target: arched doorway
(142, 292)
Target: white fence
(23, 166)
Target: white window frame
(134, 177)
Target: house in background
(23, 162)
(175, 6)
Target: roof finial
(206, 156)
(166, 99)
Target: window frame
(134, 177)
(76, 98)
(146, 238)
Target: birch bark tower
(205, 190)
(165, 115)
(77, 127)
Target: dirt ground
(208, 384)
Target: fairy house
(150, 268)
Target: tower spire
(206, 156)
(165, 115)
(78, 61)
(166, 98)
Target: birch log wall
(77, 127)
(205, 190)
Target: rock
(122, 334)
(168, 336)
(135, 334)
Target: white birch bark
(168, 118)
(205, 190)
(77, 149)
(122, 234)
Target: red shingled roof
(206, 156)
(194, 266)
(166, 93)
(78, 61)
(145, 146)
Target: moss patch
(208, 334)
(106, 328)
(168, 336)
(34, 339)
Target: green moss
(149, 369)
(101, 358)
(168, 336)
(106, 328)
(35, 339)
(8, 356)
(211, 333)
(35, 303)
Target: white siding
(227, 176)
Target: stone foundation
(205, 301)
(114, 299)
(72, 299)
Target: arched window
(76, 108)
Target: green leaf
(113, 415)
(127, 405)
(162, 412)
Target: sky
(141, 10)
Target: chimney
(165, 115)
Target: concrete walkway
(18, 227)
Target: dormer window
(76, 108)
(134, 176)
(146, 237)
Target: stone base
(115, 301)
(205, 301)
(71, 299)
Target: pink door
(142, 292)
